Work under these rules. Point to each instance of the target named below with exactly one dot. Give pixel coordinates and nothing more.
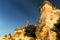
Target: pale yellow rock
(4, 37)
(19, 34)
(27, 23)
(48, 17)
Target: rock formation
(18, 35)
(48, 17)
(27, 23)
(45, 29)
(4, 37)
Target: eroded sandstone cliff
(48, 17)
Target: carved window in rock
(51, 18)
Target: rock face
(48, 17)
(5, 37)
(17, 35)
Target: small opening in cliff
(57, 25)
(57, 30)
(51, 18)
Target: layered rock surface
(48, 17)
(18, 35)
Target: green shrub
(30, 30)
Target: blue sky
(14, 13)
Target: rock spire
(48, 17)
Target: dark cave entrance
(57, 29)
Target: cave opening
(57, 29)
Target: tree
(30, 30)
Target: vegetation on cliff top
(30, 30)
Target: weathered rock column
(46, 22)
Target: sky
(14, 13)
